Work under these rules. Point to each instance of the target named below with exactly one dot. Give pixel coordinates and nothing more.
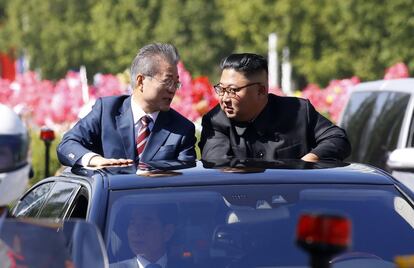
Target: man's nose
(137, 227)
(226, 97)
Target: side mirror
(401, 159)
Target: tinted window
(59, 200)
(410, 142)
(254, 225)
(79, 207)
(373, 122)
(31, 204)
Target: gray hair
(147, 60)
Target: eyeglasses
(231, 91)
(170, 83)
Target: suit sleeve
(214, 143)
(83, 138)
(187, 148)
(331, 141)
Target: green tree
(117, 30)
(196, 28)
(106, 35)
(52, 32)
(327, 39)
(5, 36)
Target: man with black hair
(150, 229)
(249, 122)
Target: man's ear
(139, 82)
(263, 90)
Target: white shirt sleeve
(84, 161)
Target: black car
(236, 213)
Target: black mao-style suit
(287, 128)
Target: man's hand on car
(98, 161)
(310, 157)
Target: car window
(410, 142)
(79, 207)
(32, 202)
(373, 122)
(59, 200)
(254, 225)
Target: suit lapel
(157, 137)
(125, 128)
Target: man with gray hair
(121, 130)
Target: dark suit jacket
(287, 127)
(108, 130)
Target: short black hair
(166, 212)
(247, 63)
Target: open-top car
(233, 213)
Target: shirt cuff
(84, 161)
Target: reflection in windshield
(404, 210)
(150, 166)
(257, 165)
(44, 244)
(235, 165)
(243, 169)
(246, 226)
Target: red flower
(398, 70)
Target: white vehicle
(378, 119)
(14, 165)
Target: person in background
(18, 246)
(14, 165)
(251, 123)
(121, 130)
(150, 228)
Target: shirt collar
(137, 112)
(142, 262)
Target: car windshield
(252, 225)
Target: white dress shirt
(142, 262)
(137, 113)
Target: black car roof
(257, 173)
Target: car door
(33, 201)
(59, 200)
(56, 199)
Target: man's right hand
(98, 161)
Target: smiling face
(152, 92)
(249, 101)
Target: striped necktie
(143, 135)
